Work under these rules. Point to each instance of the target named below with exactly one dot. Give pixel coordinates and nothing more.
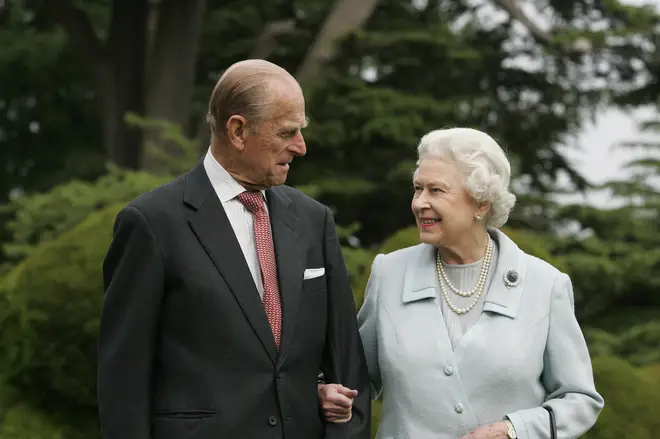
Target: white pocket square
(311, 273)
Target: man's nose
(298, 146)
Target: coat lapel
(288, 254)
(214, 231)
(421, 281)
(502, 298)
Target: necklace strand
(478, 289)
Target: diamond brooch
(511, 278)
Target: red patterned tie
(254, 202)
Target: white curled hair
(481, 160)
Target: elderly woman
(466, 335)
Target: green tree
(413, 69)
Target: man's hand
(336, 401)
(498, 430)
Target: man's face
(269, 150)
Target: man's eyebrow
(296, 125)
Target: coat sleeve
(367, 321)
(133, 282)
(343, 358)
(567, 376)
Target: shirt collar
(223, 183)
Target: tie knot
(253, 201)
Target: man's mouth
(286, 165)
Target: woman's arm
(567, 376)
(367, 322)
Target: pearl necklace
(476, 291)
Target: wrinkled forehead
(289, 112)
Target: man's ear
(237, 130)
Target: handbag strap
(553, 423)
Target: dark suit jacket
(186, 350)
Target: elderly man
(226, 292)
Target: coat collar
(421, 281)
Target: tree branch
(515, 12)
(345, 17)
(265, 43)
(544, 38)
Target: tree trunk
(171, 71)
(346, 16)
(117, 66)
(122, 90)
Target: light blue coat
(526, 351)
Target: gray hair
(245, 88)
(481, 160)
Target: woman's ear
(482, 210)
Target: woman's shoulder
(539, 268)
(399, 258)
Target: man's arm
(343, 359)
(133, 283)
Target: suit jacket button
(459, 408)
(272, 421)
(449, 370)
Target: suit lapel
(288, 254)
(214, 231)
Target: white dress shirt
(240, 218)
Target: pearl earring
(478, 217)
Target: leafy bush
(25, 422)
(638, 344)
(632, 398)
(403, 238)
(45, 216)
(51, 321)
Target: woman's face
(444, 211)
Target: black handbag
(553, 423)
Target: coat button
(449, 370)
(280, 375)
(459, 408)
(272, 420)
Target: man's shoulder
(160, 198)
